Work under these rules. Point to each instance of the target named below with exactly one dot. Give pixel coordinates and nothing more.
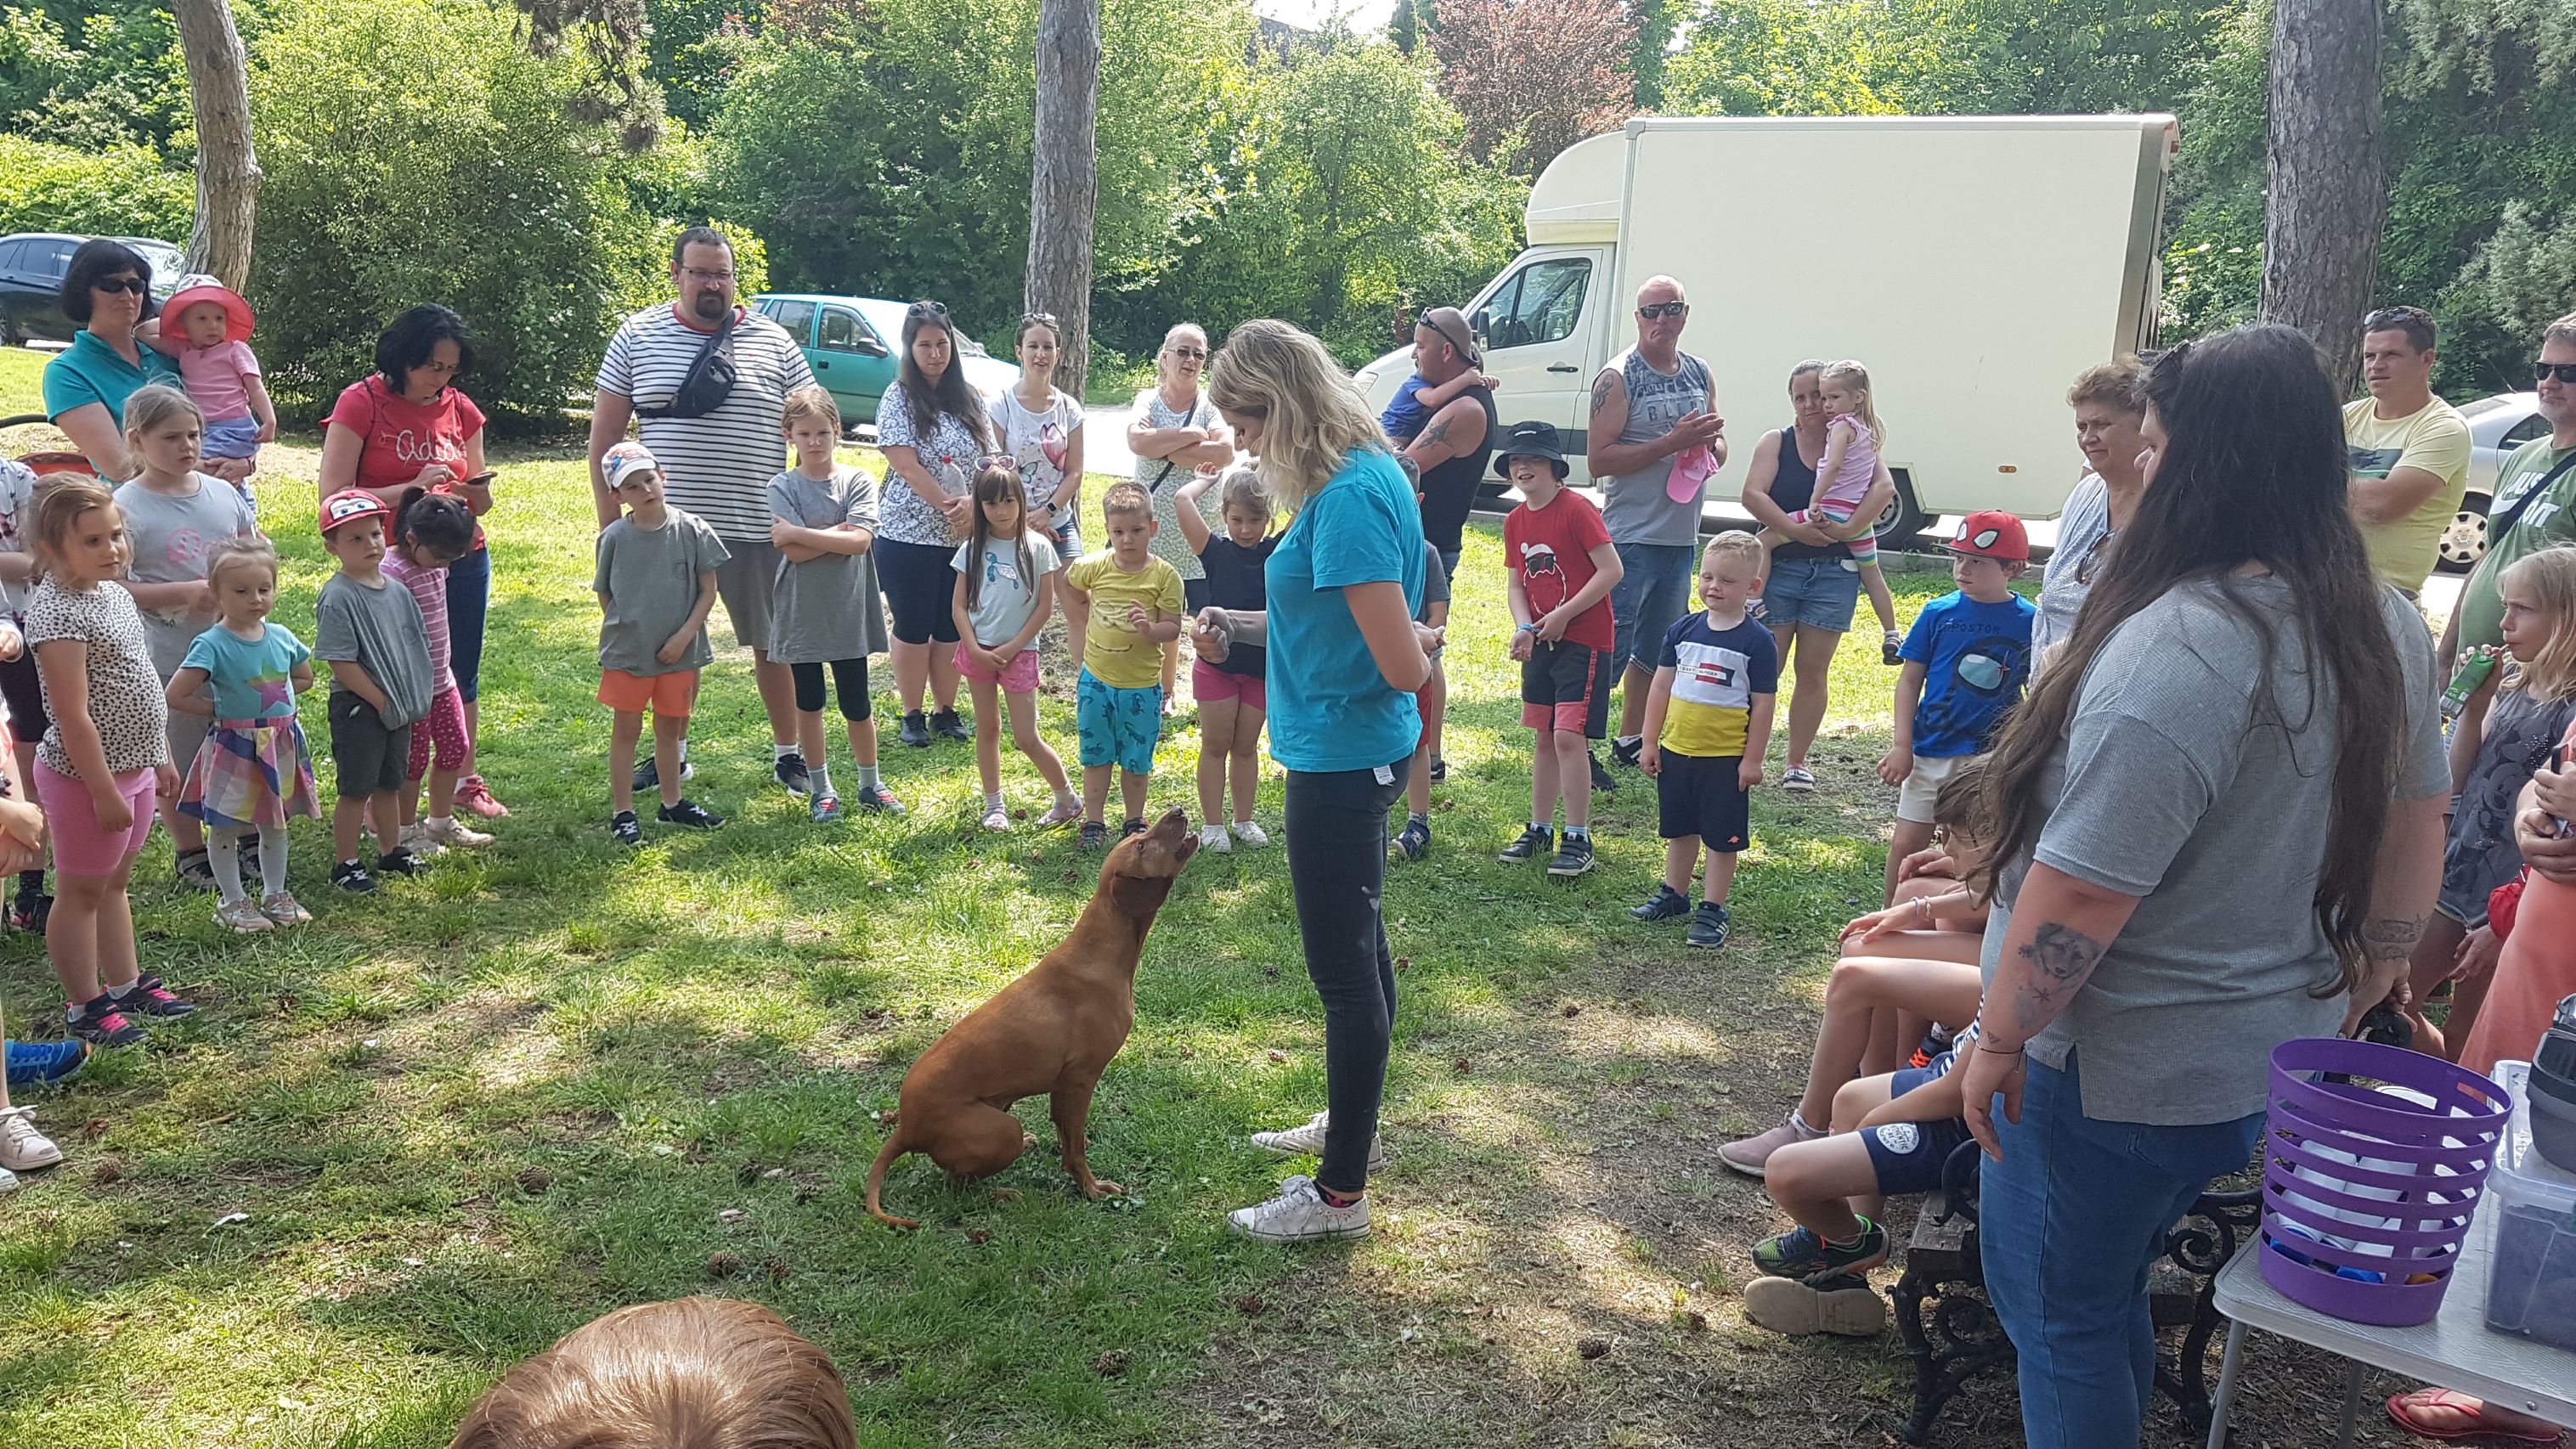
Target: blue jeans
(2071, 1218)
(469, 597)
(1651, 596)
(1823, 592)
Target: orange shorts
(667, 695)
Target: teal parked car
(850, 342)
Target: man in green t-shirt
(2408, 450)
(2535, 497)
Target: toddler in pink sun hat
(206, 326)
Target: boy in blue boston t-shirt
(1966, 662)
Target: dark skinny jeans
(1336, 831)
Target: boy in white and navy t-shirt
(1708, 724)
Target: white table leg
(2351, 1403)
(2227, 1366)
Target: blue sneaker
(1801, 1255)
(1707, 927)
(826, 808)
(34, 1063)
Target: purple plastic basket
(2404, 1208)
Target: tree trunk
(2329, 181)
(227, 168)
(1064, 179)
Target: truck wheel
(1901, 526)
(2464, 542)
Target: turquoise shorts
(1118, 726)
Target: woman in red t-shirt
(406, 426)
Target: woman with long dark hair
(932, 429)
(2218, 827)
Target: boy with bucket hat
(1966, 663)
(207, 327)
(1562, 569)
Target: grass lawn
(406, 1146)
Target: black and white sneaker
(690, 814)
(1625, 752)
(1439, 768)
(625, 829)
(1414, 841)
(352, 876)
(1601, 779)
(1663, 905)
(791, 773)
(648, 776)
(1535, 842)
(398, 861)
(1707, 927)
(946, 724)
(875, 800)
(1573, 857)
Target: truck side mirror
(1482, 324)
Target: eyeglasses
(1188, 352)
(137, 285)
(703, 275)
(1652, 310)
(2563, 371)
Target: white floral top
(949, 452)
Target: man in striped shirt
(718, 464)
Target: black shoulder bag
(709, 380)
(2499, 524)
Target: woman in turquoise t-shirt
(107, 289)
(1344, 660)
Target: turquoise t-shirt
(90, 371)
(1330, 708)
(251, 681)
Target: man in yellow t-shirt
(2408, 450)
(1125, 602)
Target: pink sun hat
(199, 287)
(1692, 468)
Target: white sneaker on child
(415, 836)
(1212, 837)
(1250, 833)
(1308, 1141)
(1299, 1214)
(453, 832)
(22, 1147)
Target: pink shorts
(81, 845)
(445, 728)
(1020, 676)
(1208, 683)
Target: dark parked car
(32, 264)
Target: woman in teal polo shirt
(1344, 661)
(108, 290)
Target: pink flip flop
(1691, 470)
(2403, 1412)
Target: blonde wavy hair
(2550, 575)
(1312, 418)
(1855, 378)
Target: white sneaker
(1308, 1141)
(454, 832)
(8, 1180)
(1299, 1214)
(1213, 838)
(1250, 833)
(22, 1147)
(415, 837)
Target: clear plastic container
(2531, 1285)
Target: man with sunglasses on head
(718, 448)
(1651, 405)
(1452, 447)
(2535, 498)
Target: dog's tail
(894, 1148)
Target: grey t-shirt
(170, 537)
(826, 609)
(2083, 546)
(1635, 505)
(2185, 784)
(380, 629)
(650, 576)
(1007, 594)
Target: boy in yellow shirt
(1125, 604)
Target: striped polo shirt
(718, 466)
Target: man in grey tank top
(1650, 404)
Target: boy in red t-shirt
(1563, 567)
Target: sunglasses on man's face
(136, 285)
(1652, 310)
(2563, 371)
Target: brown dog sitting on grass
(1051, 1032)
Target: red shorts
(1428, 704)
(1207, 683)
(667, 695)
(444, 727)
(81, 845)
(1020, 676)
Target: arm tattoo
(1601, 389)
(2061, 960)
(2389, 939)
(1434, 436)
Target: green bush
(121, 191)
(416, 152)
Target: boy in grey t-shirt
(370, 631)
(656, 581)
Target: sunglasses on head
(1662, 309)
(2563, 371)
(137, 285)
(998, 460)
(1453, 339)
(1038, 319)
(927, 309)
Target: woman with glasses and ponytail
(1040, 426)
(932, 427)
(108, 291)
(1175, 436)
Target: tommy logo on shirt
(1718, 672)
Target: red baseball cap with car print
(348, 506)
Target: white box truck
(1976, 264)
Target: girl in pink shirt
(208, 328)
(1843, 478)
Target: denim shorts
(1652, 594)
(1822, 592)
(1117, 726)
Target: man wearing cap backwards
(1452, 447)
(717, 462)
(1653, 406)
